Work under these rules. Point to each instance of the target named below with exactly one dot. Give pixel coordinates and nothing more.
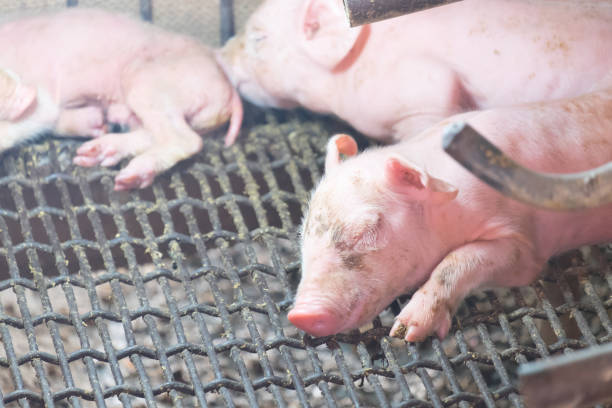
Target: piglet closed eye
(406, 217)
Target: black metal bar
(146, 10)
(579, 379)
(575, 191)
(361, 12)
(118, 295)
(85, 272)
(226, 15)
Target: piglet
(393, 79)
(78, 70)
(406, 216)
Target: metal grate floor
(177, 295)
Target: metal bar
(199, 318)
(574, 191)
(37, 363)
(579, 379)
(120, 298)
(53, 326)
(226, 14)
(146, 10)
(447, 369)
(498, 364)
(361, 12)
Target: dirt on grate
(183, 289)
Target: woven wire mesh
(177, 295)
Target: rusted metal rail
(361, 12)
(579, 379)
(588, 189)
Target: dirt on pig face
(347, 262)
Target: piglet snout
(315, 319)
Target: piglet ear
(407, 179)
(326, 34)
(339, 145)
(15, 97)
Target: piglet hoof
(109, 149)
(132, 181)
(422, 317)
(97, 152)
(139, 173)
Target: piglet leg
(164, 140)
(506, 262)
(142, 169)
(111, 148)
(170, 97)
(171, 139)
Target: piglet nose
(315, 320)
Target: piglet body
(93, 67)
(392, 79)
(406, 216)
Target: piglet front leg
(163, 140)
(502, 262)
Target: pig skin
(89, 67)
(392, 79)
(527, 74)
(406, 216)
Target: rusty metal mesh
(177, 295)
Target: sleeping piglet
(406, 216)
(392, 79)
(78, 70)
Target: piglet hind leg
(171, 97)
(163, 139)
(171, 140)
(142, 169)
(504, 262)
(109, 149)
(153, 152)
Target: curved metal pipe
(226, 15)
(588, 189)
(361, 12)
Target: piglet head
(286, 45)
(365, 239)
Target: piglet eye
(257, 35)
(254, 42)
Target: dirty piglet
(406, 217)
